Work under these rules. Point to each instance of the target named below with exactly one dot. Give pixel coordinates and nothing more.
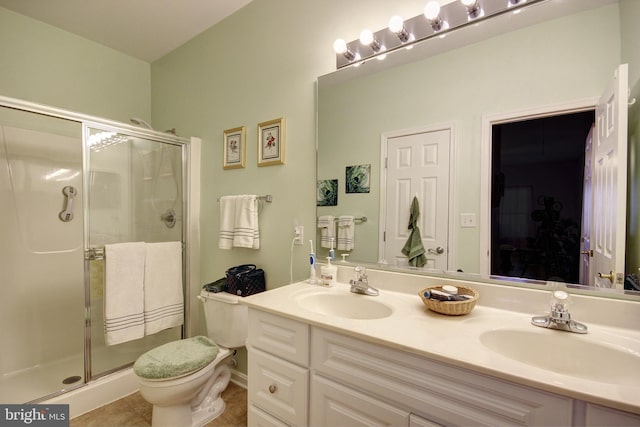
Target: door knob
(438, 251)
(611, 276)
(589, 252)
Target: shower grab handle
(67, 213)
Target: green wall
(46, 65)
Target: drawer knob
(272, 388)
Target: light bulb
(432, 10)
(366, 37)
(469, 3)
(340, 46)
(396, 24)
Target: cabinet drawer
(596, 415)
(333, 405)
(278, 387)
(278, 335)
(256, 417)
(439, 392)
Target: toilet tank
(227, 319)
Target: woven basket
(451, 308)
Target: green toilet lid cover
(176, 358)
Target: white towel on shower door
(163, 295)
(124, 292)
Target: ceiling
(144, 29)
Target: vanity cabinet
(437, 392)
(302, 375)
(278, 370)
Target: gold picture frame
(234, 148)
(271, 142)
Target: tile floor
(134, 411)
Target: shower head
(140, 122)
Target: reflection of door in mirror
(610, 182)
(586, 275)
(537, 196)
(555, 248)
(417, 165)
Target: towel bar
(267, 198)
(359, 219)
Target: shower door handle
(67, 213)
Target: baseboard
(239, 378)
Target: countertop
(456, 340)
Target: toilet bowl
(183, 379)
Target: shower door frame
(190, 176)
(153, 136)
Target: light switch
(468, 220)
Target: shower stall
(69, 185)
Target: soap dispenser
(328, 274)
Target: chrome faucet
(559, 318)
(360, 284)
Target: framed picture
(327, 192)
(234, 148)
(271, 140)
(357, 179)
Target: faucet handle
(361, 273)
(560, 300)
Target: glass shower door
(135, 194)
(41, 256)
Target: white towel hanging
(163, 296)
(346, 233)
(124, 292)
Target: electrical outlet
(298, 232)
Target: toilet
(183, 379)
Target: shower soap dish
(450, 308)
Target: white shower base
(98, 392)
(32, 383)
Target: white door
(417, 165)
(610, 183)
(586, 276)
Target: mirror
(505, 64)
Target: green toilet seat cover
(176, 358)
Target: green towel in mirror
(414, 249)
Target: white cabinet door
(278, 387)
(333, 405)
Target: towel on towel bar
(245, 231)
(327, 230)
(227, 221)
(124, 292)
(239, 222)
(163, 296)
(346, 232)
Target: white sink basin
(345, 305)
(566, 353)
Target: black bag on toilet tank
(245, 279)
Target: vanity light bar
(424, 26)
